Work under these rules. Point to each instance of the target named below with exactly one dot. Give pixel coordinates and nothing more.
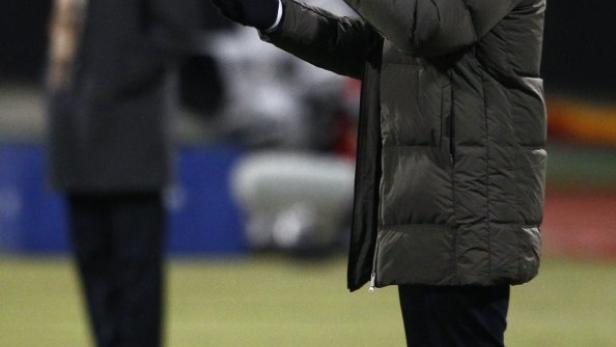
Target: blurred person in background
(111, 154)
(299, 117)
(451, 160)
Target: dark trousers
(454, 316)
(118, 244)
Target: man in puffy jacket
(451, 159)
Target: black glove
(261, 14)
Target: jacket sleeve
(339, 44)
(432, 27)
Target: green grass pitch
(266, 301)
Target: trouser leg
(138, 232)
(90, 231)
(454, 316)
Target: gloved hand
(261, 14)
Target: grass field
(270, 302)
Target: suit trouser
(118, 244)
(454, 316)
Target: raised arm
(433, 27)
(339, 44)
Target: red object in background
(580, 224)
(582, 122)
(346, 139)
(346, 132)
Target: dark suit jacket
(109, 131)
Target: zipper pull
(372, 288)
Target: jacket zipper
(452, 125)
(373, 278)
(372, 288)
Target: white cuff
(278, 18)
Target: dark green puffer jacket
(451, 160)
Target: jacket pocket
(430, 104)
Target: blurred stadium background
(271, 275)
